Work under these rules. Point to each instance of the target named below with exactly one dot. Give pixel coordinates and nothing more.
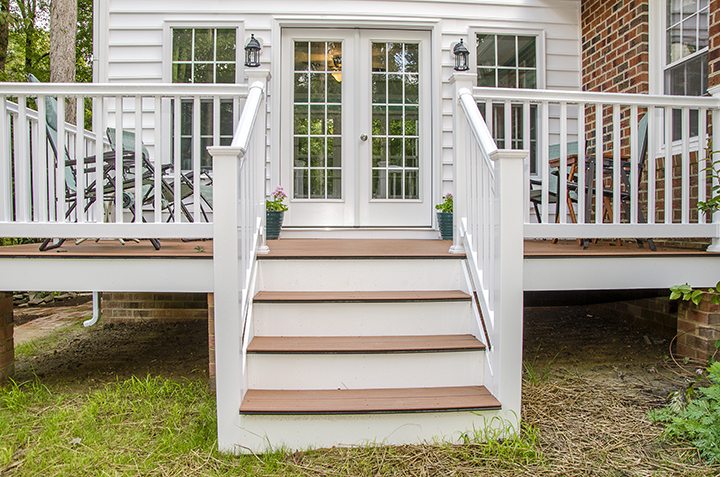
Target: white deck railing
(488, 215)
(154, 183)
(239, 176)
(627, 194)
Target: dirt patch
(41, 321)
(108, 351)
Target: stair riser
(359, 371)
(363, 319)
(264, 433)
(361, 275)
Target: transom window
(204, 55)
(509, 61)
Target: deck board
(359, 296)
(363, 344)
(338, 248)
(368, 401)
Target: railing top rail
(244, 129)
(567, 96)
(122, 89)
(477, 124)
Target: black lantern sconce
(461, 56)
(252, 52)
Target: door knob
(363, 137)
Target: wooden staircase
(362, 341)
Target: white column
(508, 271)
(715, 146)
(227, 289)
(460, 153)
(258, 150)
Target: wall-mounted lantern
(461, 56)
(252, 52)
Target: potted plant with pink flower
(275, 208)
(445, 217)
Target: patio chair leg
(49, 245)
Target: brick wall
(123, 307)
(656, 312)
(698, 330)
(7, 349)
(714, 53)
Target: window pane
(526, 51)
(396, 59)
(317, 56)
(379, 184)
(689, 36)
(225, 73)
(317, 183)
(378, 120)
(411, 89)
(674, 43)
(411, 185)
(334, 152)
(317, 152)
(334, 184)
(506, 50)
(702, 30)
(395, 185)
(395, 152)
(301, 56)
(182, 44)
(411, 58)
(486, 50)
(204, 45)
(317, 120)
(203, 73)
(395, 89)
(379, 152)
(527, 79)
(301, 119)
(226, 44)
(379, 57)
(301, 186)
(378, 88)
(411, 121)
(334, 88)
(317, 87)
(182, 73)
(507, 78)
(411, 152)
(301, 152)
(688, 7)
(334, 120)
(301, 87)
(486, 77)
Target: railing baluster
(196, 153)
(22, 175)
(177, 165)
(580, 173)
(527, 169)
(119, 153)
(617, 150)
(158, 160)
(508, 124)
(61, 157)
(6, 187)
(80, 158)
(668, 164)
(99, 159)
(651, 163)
(702, 162)
(139, 169)
(599, 158)
(685, 167)
(562, 169)
(545, 160)
(633, 192)
(36, 172)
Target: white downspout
(96, 311)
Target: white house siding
(132, 41)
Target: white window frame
(168, 27)
(658, 65)
(540, 64)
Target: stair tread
(358, 248)
(363, 344)
(359, 296)
(368, 401)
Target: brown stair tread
(363, 344)
(358, 248)
(368, 401)
(360, 296)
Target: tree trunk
(4, 33)
(63, 33)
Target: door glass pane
(395, 121)
(317, 118)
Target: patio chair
(168, 191)
(71, 194)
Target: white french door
(356, 128)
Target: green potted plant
(445, 217)
(274, 212)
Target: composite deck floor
(332, 248)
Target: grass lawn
(114, 407)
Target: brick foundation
(698, 330)
(7, 347)
(211, 338)
(168, 307)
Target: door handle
(363, 137)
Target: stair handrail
(238, 237)
(488, 229)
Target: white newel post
(259, 151)
(228, 289)
(461, 81)
(508, 286)
(715, 146)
